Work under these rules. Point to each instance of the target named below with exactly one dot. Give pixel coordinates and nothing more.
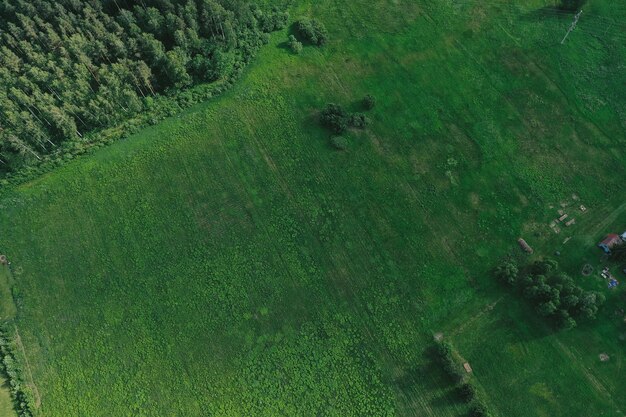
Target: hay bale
(525, 246)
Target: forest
(71, 67)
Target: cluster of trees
(554, 294)
(466, 390)
(69, 67)
(13, 373)
(338, 120)
(312, 31)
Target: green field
(229, 262)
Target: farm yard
(230, 261)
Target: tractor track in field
(593, 381)
(608, 219)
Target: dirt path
(485, 310)
(18, 341)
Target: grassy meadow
(229, 262)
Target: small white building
(623, 236)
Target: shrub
(339, 142)
(358, 120)
(479, 410)
(369, 102)
(444, 350)
(295, 45)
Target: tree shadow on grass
(284, 46)
(430, 374)
(550, 13)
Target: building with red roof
(609, 242)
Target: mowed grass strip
(229, 262)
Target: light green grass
(229, 262)
(6, 403)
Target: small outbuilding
(609, 242)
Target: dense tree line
(68, 67)
(12, 372)
(554, 294)
(465, 388)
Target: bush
(467, 392)
(479, 410)
(338, 120)
(358, 120)
(339, 142)
(312, 31)
(443, 350)
(507, 272)
(369, 102)
(335, 118)
(295, 45)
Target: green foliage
(444, 350)
(68, 69)
(358, 120)
(312, 31)
(295, 45)
(478, 409)
(271, 21)
(467, 392)
(9, 367)
(334, 117)
(553, 293)
(207, 265)
(369, 102)
(507, 272)
(337, 119)
(572, 5)
(618, 253)
(448, 362)
(339, 142)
